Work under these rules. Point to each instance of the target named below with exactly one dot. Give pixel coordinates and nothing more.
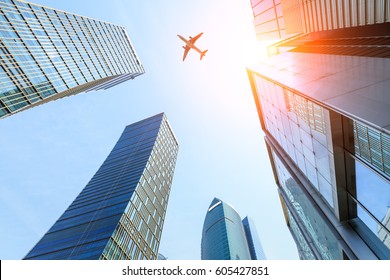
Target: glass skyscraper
(46, 54)
(226, 237)
(268, 19)
(120, 213)
(255, 248)
(323, 106)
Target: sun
(254, 51)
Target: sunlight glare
(254, 51)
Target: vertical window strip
(129, 51)
(105, 49)
(19, 79)
(58, 77)
(83, 42)
(96, 62)
(108, 46)
(72, 47)
(63, 52)
(104, 57)
(114, 48)
(373, 147)
(119, 44)
(84, 69)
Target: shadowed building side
(255, 247)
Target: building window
(372, 146)
(302, 128)
(369, 205)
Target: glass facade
(319, 234)
(47, 54)
(120, 213)
(340, 168)
(384, 235)
(268, 19)
(302, 128)
(304, 250)
(318, 15)
(225, 236)
(341, 27)
(367, 158)
(372, 146)
(323, 105)
(276, 19)
(255, 247)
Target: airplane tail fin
(203, 54)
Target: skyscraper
(254, 244)
(226, 237)
(46, 54)
(323, 106)
(268, 19)
(120, 213)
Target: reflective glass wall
(46, 54)
(268, 19)
(368, 161)
(355, 187)
(223, 235)
(121, 211)
(318, 233)
(255, 247)
(302, 129)
(138, 233)
(317, 15)
(304, 250)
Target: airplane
(190, 44)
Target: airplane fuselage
(190, 44)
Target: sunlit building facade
(226, 237)
(46, 54)
(323, 26)
(268, 19)
(120, 213)
(326, 121)
(305, 16)
(281, 19)
(323, 106)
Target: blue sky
(50, 152)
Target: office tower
(255, 248)
(268, 19)
(47, 54)
(120, 213)
(323, 106)
(224, 235)
(280, 19)
(351, 25)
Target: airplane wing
(186, 50)
(193, 40)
